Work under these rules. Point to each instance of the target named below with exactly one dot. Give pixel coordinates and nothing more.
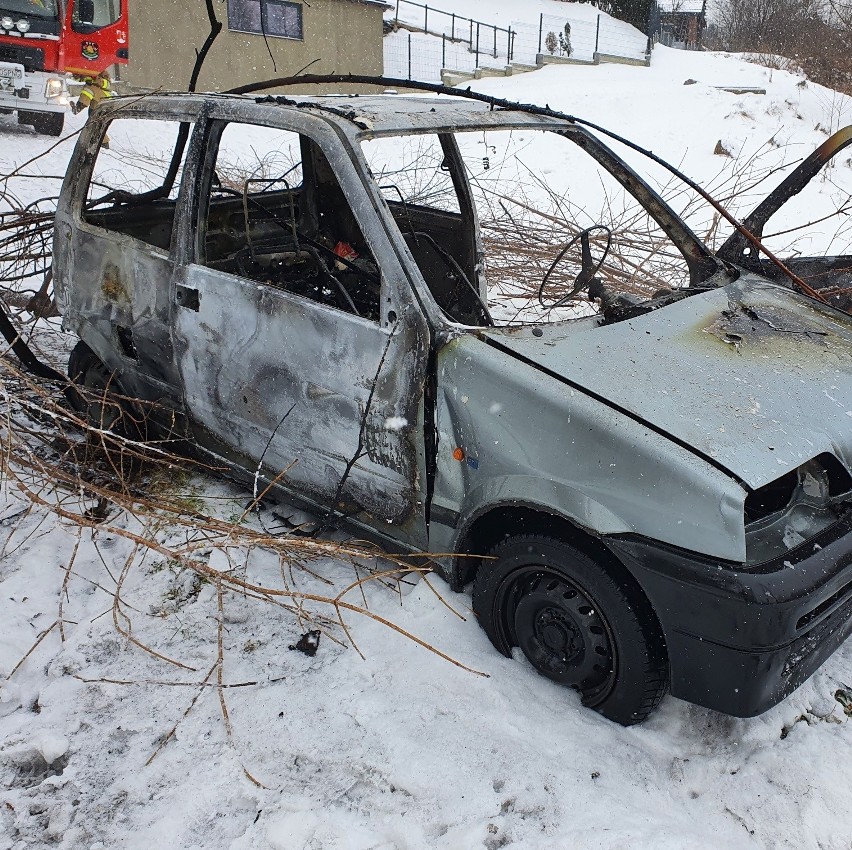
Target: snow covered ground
(402, 749)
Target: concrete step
(451, 77)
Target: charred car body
(663, 488)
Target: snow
(681, 6)
(52, 746)
(504, 12)
(682, 123)
(400, 749)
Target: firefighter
(93, 92)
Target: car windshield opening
(34, 8)
(546, 230)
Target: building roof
(682, 7)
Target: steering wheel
(588, 267)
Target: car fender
(545, 495)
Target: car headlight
(796, 507)
(53, 88)
(809, 484)
(23, 25)
(6, 22)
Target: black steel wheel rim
(560, 629)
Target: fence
(667, 36)
(433, 40)
(417, 56)
(531, 39)
(480, 38)
(413, 58)
(588, 36)
(682, 31)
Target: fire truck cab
(43, 41)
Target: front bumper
(26, 90)
(739, 641)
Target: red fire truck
(42, 41)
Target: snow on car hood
(752, 375)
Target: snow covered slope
(530, 23)
(401, 751)
(505, 12)
(677, 109)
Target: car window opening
(133, 189)
(276, 214)
(528, 244)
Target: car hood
(752, 376)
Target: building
(681, 23)
(260, 39)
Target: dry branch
(62, 468)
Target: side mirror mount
(86, 11)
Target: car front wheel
(575, 624)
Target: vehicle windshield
(33, 8)
(559, 220)
(562, 236)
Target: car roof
(372, 115)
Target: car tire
(102, 411)
(44, 123)
(575, 623)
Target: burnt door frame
(122, 284)
(290, 389)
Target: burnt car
(641, 461)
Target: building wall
(344, 36)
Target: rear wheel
(574, 623)
(110, 419)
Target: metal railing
(419, 50)
(481, 38)
(588, 37)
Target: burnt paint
(112, 286)
(742, 324)
(288, 380)
(831, 276)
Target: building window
(268, 17)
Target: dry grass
(76, 473)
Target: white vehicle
(38, 97)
